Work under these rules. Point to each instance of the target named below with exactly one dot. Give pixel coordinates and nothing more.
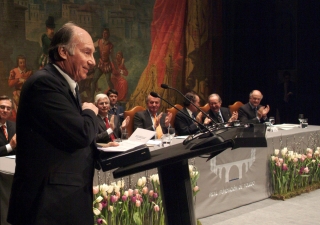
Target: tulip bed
(293, 173)
(140, 205)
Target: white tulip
(139, 183)
(96, 211)
(144, 180)
(276, 151)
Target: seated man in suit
(217, 113)
(253, 112)
(150, 119)
(8, 128)
(115, 109)
(183, 124)
(109, 127)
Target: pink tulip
(138, 203)
(309, 155)
(124, 198)
(104, 203)
(138, 196)
(100, 206)
(95, 190)
(145, 190)
(284, 167)
(133, 199)
(99, 221)
(155, 195)
(113, 198)
(118, 194)
(306, 170)
(156, 208)
(136, 191)
(278, 164)
(281, 160)
(196, 188)
(130, 192)
(295, 160)
(151, 193)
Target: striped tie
(4, 131)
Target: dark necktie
(3, 127)
(114, 110)
(219, 118)
(78, 95)
(108, 126)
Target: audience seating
(174, 112)
(235, 106)
(131, 113)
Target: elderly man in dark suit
(217, 113)
(253, 112)
(183, 123)
(8, 128)
(150, 119)
(56, 138)
(109, 127)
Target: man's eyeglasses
(3, 107)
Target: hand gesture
(263, 111)
(234, 116)
(13, 141)
(157, 120)
(125, 123)
(111, 122)
(87, 105)
(199, 117)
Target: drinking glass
(171, 132)
(300, 118)
(124, 135)
(165, 140)
(271, 120)
(304, 123)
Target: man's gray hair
(100, 96)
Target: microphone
(165, 86)
(155, 95)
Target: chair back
(205, 108)
(131, 113)
(174, 112)
(235, 106)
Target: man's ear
(62, 52)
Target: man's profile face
(22, 64)
(255, 98)
(103, 106)
(113, 99)
(214, 104)
(196, 102)
(153, 104)
(79, 64)
(5, 109)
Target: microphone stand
(165, 86)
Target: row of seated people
(112, 122)
(152, 119)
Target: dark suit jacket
(143, 120)
(225, 112)
(11, 128)
(184, 125)
(103, 136)
(55, 156)
(247, 114)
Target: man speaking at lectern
(55, 157)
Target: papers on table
(287, 126)
(139, 137)
(153, 143)
(11, 156)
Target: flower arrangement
(140, 205)
(293, 173)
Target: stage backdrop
(152, 42)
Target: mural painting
(139, 45)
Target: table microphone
(165, 86)
(155, 95)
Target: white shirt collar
(72, 83)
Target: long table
(232, 179)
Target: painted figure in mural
(8, 128)
(104, 65)
(46, 40)
(118, 71)
(17, 77)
